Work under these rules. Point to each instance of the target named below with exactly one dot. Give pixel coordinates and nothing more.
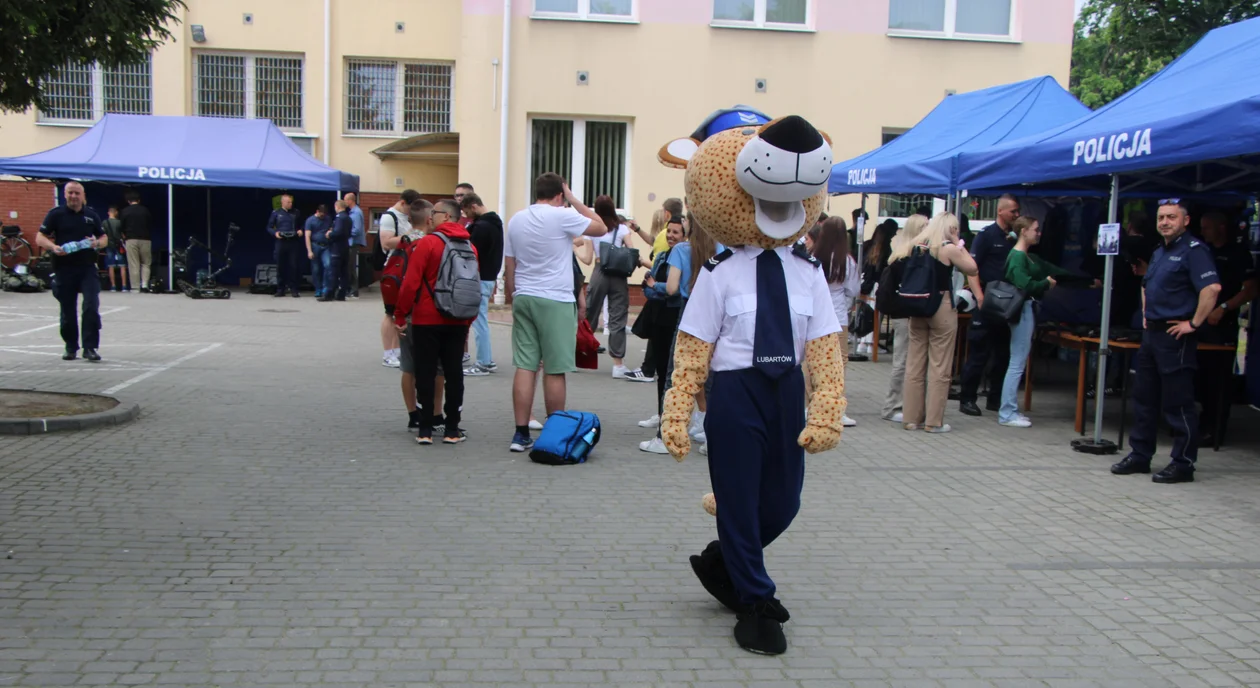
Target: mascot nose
(793, 134)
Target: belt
(1162, 325)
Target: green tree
(37, 37)
(1120, 43)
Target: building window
(592, 155)
(781, 14)
(398, 98)
(595, 10)
(951, 18)
(250, 87)
(981, 209)
(83, 93)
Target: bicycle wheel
(14, 251)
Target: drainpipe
(504, 85)
(324, 144)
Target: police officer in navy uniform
(74, 272)
(1239, 286)
(284, 225)
(1179, 292)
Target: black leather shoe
(993, 406)
(757, 630)
(91, 355)
(710, 568)
(1131, 464)
(969, 408)
(70, 355)
(1175, 472)
(278, 294)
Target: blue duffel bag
(566, 438)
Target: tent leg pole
(1098, 445)
(209, 260)
(170, 237)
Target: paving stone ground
(269, 521)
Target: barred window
(83, 93)
(397, 97)
(592, 155)
(245, 86)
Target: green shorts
(544, 331)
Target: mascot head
(752, 180)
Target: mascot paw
(709, 502)
(677, 441)
(815, 439)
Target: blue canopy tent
(1192, 129)
(183, 151)
(923, 159)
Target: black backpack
(886, 301)
(379, 256)
(917, 293)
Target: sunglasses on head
(1170, 201)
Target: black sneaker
(413, 419)
(1131, 464)
(91, 355)
(455, 438)
(759, 631)
(1175, 472)
(70, 355)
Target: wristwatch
(1224, 306)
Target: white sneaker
(704, 449)
(619, 372)
(534, 425)
(475, 371)
(653, 446)
(1016, 422)
(467, 359)
(390, 362)
(848, 422)
(896, 418)
(652, 422)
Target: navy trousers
(68, 284)
(288, 261)
(756, 467)
(1164, 383)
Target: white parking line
(144, 376)
(91, 368)
(58, 324)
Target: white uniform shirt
(723, 306)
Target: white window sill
(300, 135)
(970, 38)
(602, 19)
(789, 28)
(71, 125)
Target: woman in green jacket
(1034, 277)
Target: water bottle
(72, 246)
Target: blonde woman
(915, 225)
(932, 338)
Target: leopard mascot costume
(759, 310)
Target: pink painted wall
(1037, 21)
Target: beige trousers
(928, 366)
(139, 252)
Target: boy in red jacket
(434, 337)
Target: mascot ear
(825, 136)
(676, 153)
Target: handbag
(586, 353)
(863, 321)
(617, 261)
(645, 323)
(1002, 301)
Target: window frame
(400, 79)
(97, 75)
(577, 156)
(759, 22)
(251, 83)
(949, 31)
(584, 13)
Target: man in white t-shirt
(538, 273)
(394, 224)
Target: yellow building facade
(411, 93)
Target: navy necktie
(774, 352)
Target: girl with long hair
(615, 289)
(891, 411)
(831, 248)
(1034, 276)
(932, 338)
